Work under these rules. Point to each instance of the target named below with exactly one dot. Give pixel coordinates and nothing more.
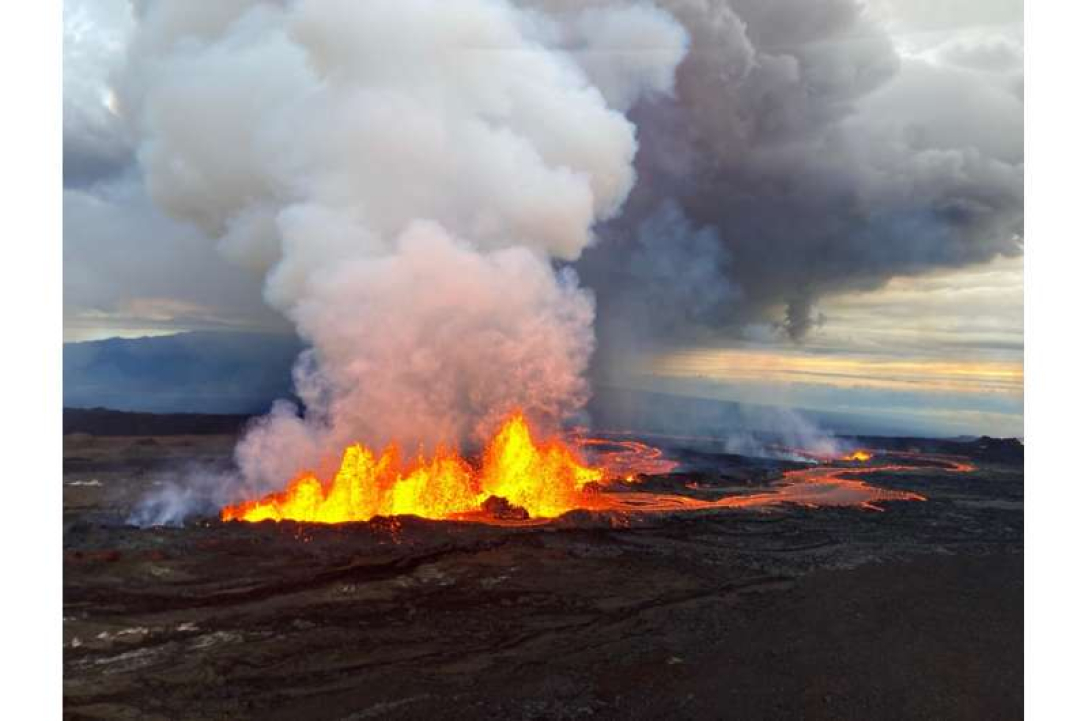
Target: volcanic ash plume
(404, 173)
(808, 153)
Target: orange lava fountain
(861, 456)
(545, 479)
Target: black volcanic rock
(501, 509)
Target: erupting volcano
(545, 479)
(517, 478)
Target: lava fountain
(519, 478)
(545, 479)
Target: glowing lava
(625, 458)
(545, 479)
(518, 476)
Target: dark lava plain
(761, 613)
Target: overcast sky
(943, 347)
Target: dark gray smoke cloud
(802, 154)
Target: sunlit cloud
(842, 372)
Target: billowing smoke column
(404, 172)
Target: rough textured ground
(782, 612)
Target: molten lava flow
(625, 459)
(814, 486)
(545, 479)
(858, 456)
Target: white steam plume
(404, 172)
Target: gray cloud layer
(96, 146)
(128, 267)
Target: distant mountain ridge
(241, 374)
(106, 422)
(200, 372)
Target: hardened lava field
(800, 607)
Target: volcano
(526, 479)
